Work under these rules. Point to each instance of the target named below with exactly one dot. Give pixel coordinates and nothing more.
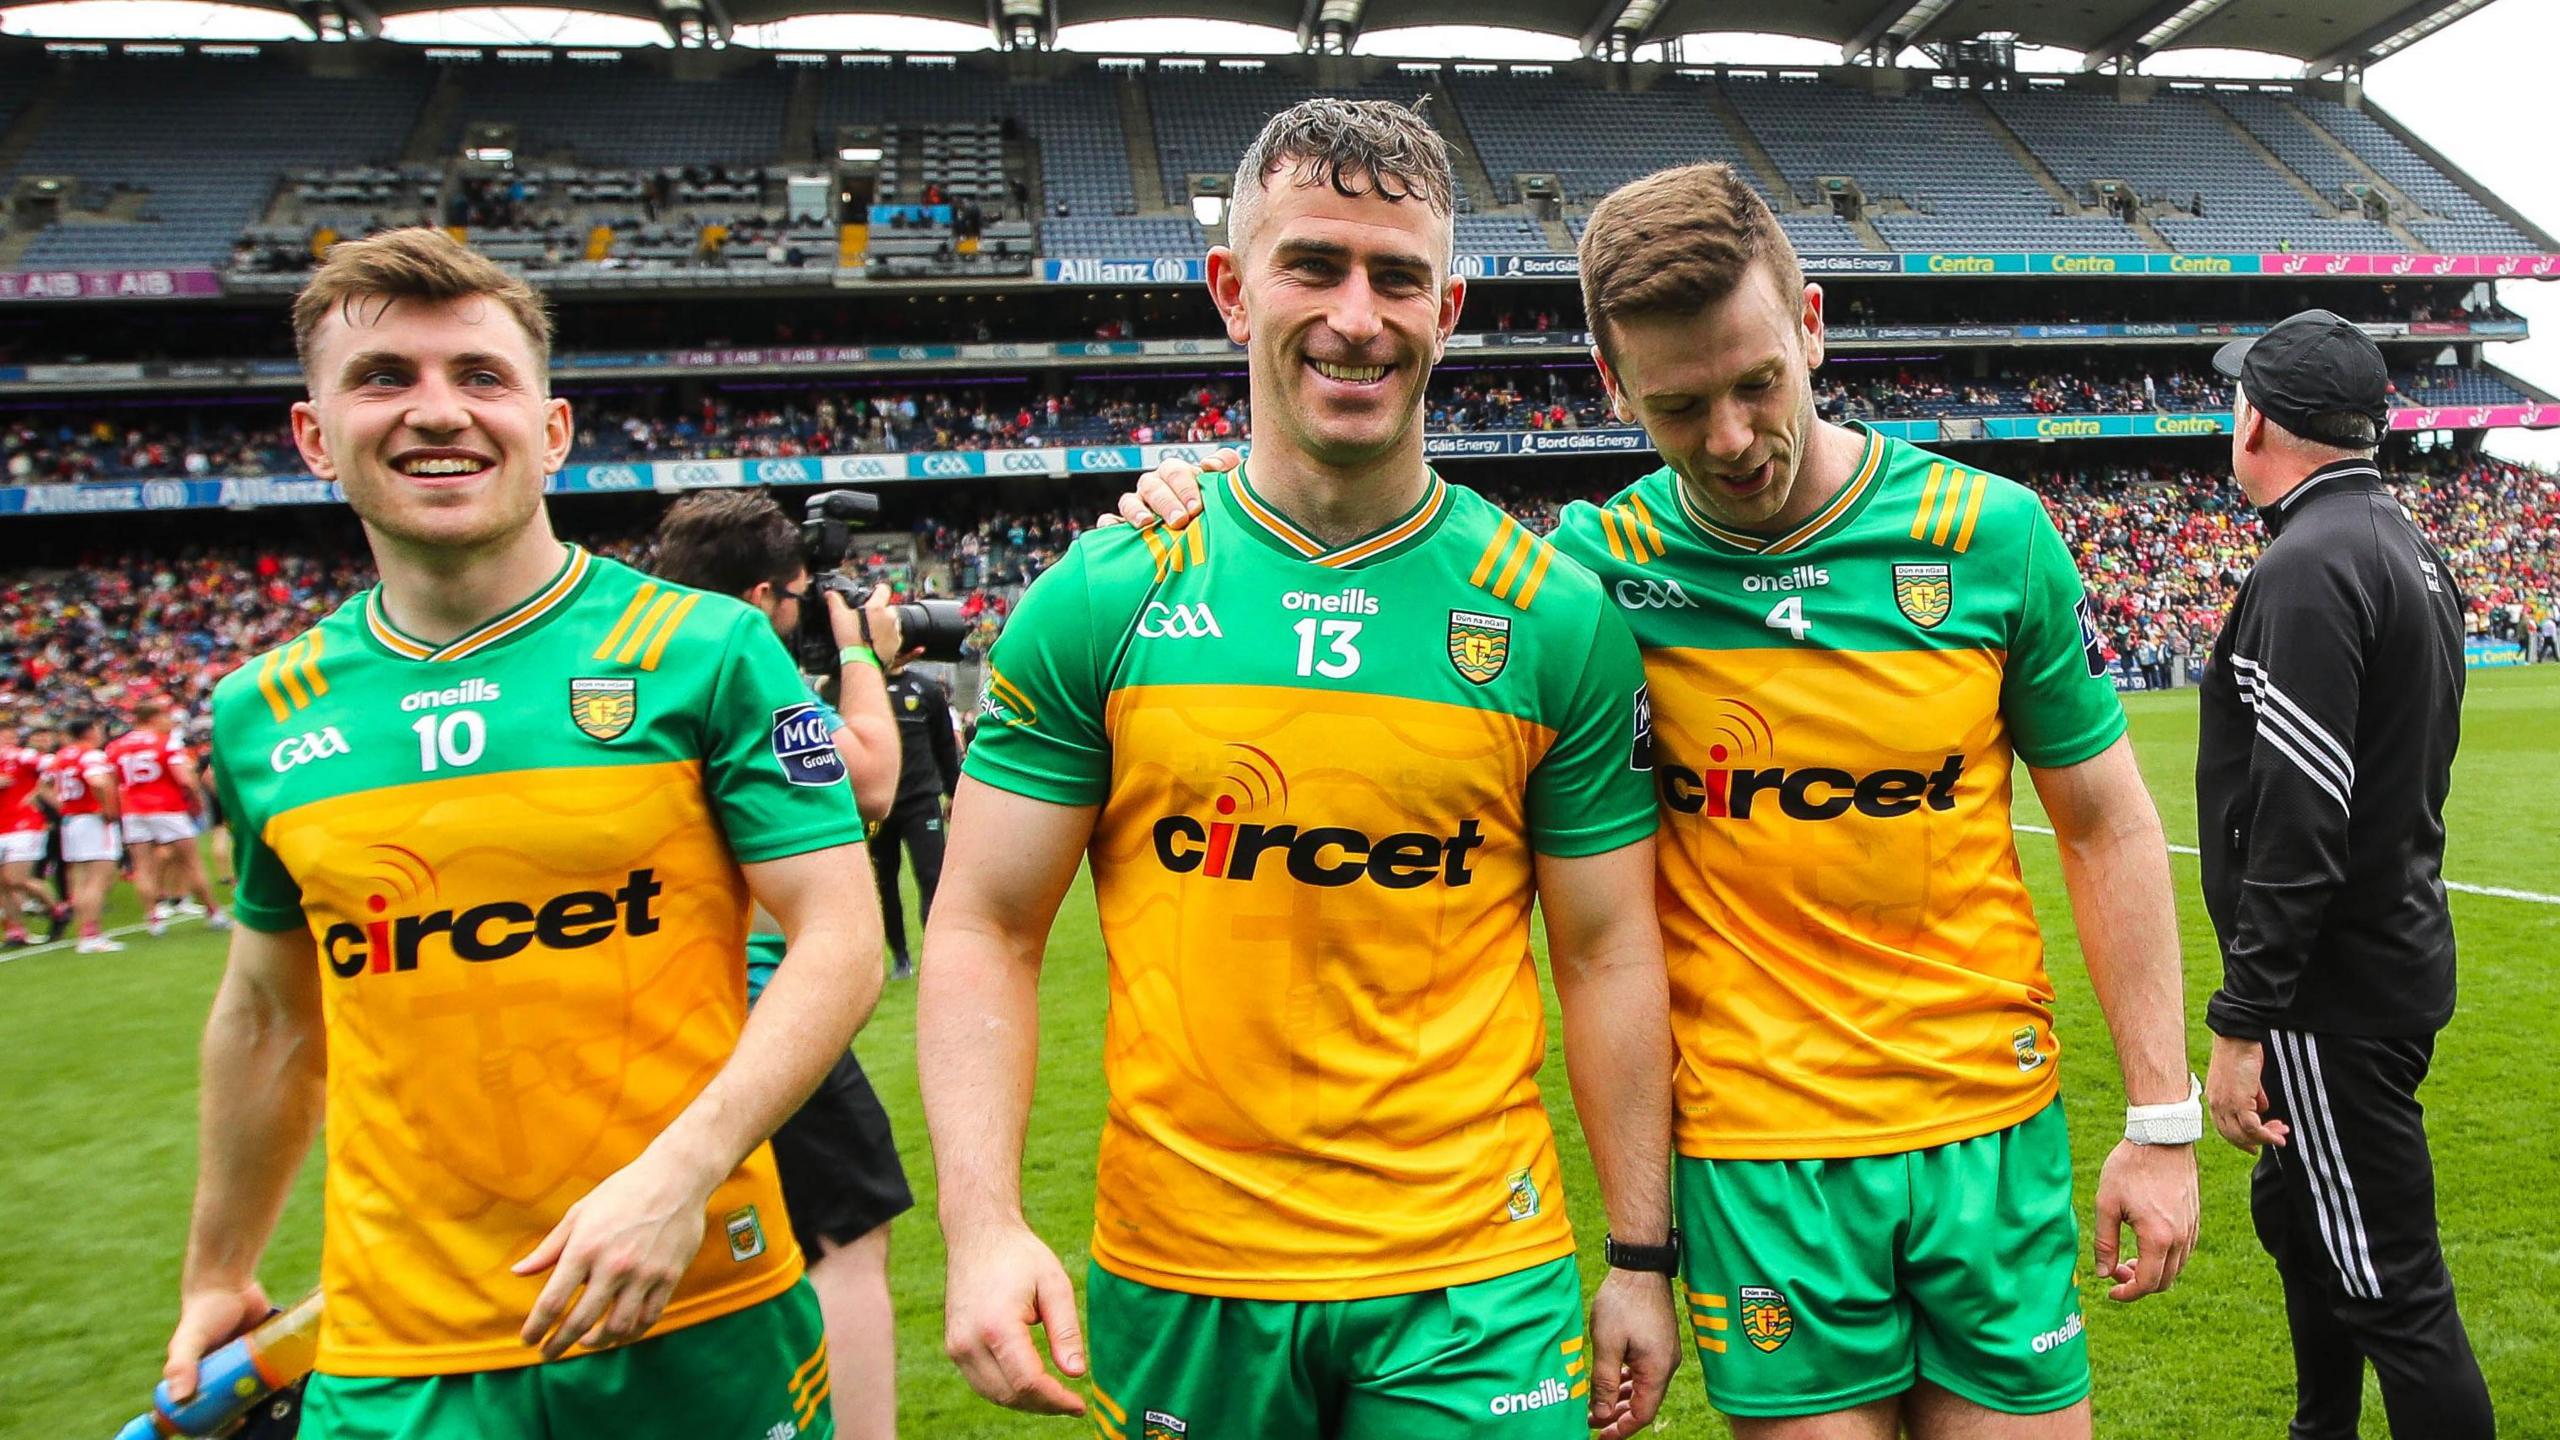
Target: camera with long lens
(826, 537)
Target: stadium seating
(204, 140)
(2175, 150)
(2464, 223)
(1592, 140)
(617, 115)
(1204, 119)
(1071, 119)
(1928, 151)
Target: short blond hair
(416, 263)
(1677, 241)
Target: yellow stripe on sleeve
(639, 600)
(1972, 512)
(267, 669)
(667, 632)
(1947, 508)
(293, 656)
(1609, 532)
(1492, 550)
(1537, 572)
(657, 611)
(1511, 566)
(1928, 501)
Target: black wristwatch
(1662, 1259)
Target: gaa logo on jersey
(604, 708)
(1479, 645)
(1925, 592)
(804, 744)
(1767, 1319)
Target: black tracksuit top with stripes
(2329, 719)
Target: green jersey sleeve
(1042, 735)
(1593, 790)
(776, 784)
(267, 897)
(2056, 698)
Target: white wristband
(2177, 1123)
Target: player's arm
(182, 768)
(1604, 948)
(628, 1242)
(108, 786)
(2115, 865)
(2068, 727)
(259, 1101)
(977, 1048)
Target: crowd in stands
(2162, 552)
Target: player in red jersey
(22, 834)
(156, 779)
(82, 786)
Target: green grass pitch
(97, 1066)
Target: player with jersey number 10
(1325, 750)
(500, 821)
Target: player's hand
(1001, 1282)
(1170, 493)
(1635, 1345)
(207, 1320)
(2151, 1188)
(627, 1243)
(2235, 1095)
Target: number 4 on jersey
(1788, 615)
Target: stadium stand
(610, 114)
(1205, 117)
(1934, 175)
(2181, 155)
(192, 146)
(2458, 220)
(1592, 140)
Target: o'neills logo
(1550, 1391)
(1724, 790)
(1233, 848)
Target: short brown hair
(416, 263)
(728, 542)
(1359, 147)
(1677, 241)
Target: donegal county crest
(604, 707)
(1767, 1320)
(1925, 592)
(1479, 644)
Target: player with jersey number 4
(1847, 639)
(1324, 751)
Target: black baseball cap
(2310, 365)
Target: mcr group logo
(1231, 847)
(1731, 788)
(405, 921)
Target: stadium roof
(2323, 34)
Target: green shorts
(1818, 1285)
(753, 1373)
(1499, 1357)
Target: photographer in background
(928, 773)
(841, 1179)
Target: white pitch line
(118, 933)
(2498, 892)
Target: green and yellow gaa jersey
(1855, 968)
(1323, 775)
(518, 854)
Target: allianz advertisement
(1186, 270)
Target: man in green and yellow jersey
(1325, 750)
(501, 821)
(1848, 641)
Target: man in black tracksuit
(2329, 719)
(928, 771)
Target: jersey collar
(2338, 476)
(1405, 532)
(540, 605)
(1843, 505)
